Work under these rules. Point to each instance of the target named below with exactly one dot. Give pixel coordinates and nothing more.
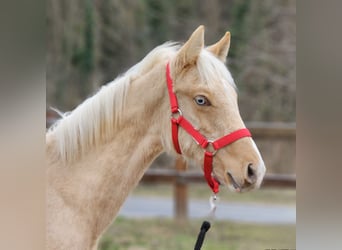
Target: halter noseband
(210, 147)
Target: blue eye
(202, 100)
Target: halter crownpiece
(210, 147)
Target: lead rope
(212, 202)
(206, 224)
(204, 228)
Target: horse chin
(227, 184)
(233, 189)
(239, 190)
(233, 186)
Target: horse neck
(103, 177)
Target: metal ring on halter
(211, 146)
(177, 114)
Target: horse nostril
(251, 174)
(250, 170)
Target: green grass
(166, 234)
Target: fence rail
(272, 129)
(174, 176)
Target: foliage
(90, 42)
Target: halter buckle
(176, 114)
(210, 148)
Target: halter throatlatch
(210, 147)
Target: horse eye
(202, 100)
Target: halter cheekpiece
(210, 147)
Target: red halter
(177, 119)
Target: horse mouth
(236, 186)
(233, 183)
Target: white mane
(94, 121)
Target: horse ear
(221, 48)
(189, 52)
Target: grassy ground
(165, 234)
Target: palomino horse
(98, 153)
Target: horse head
(207, 98)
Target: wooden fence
(180, 178)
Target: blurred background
(90, 42)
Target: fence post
(180, 191)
